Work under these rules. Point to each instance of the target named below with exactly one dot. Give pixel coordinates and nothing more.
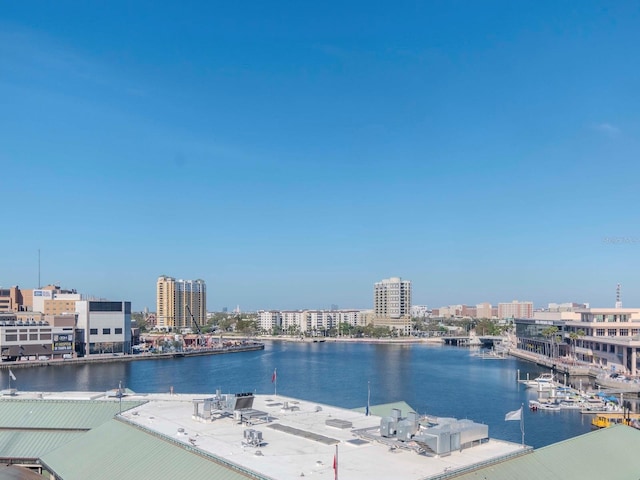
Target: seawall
(112, 358)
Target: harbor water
(432, 379)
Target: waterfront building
(268, 320)
(293, 321)
(609, 337)
(309, 322)
(392, 304)
(354, 318)
(605, 337)
(178, 300)
(392, 298)
(22, 337)
(103, 327)
(515, 309)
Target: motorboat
(544, 382)
(535, 405)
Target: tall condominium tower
(174, 300)
(392, 298)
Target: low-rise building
(606, 337)
(609, 337)
(22, 340)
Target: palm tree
(574, 336)
(551, 334)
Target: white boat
(543, 382)
(535, 406)
(570, 405)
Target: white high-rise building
(392, 298)
(392, 304)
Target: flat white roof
(303, 445)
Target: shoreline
(114, 358)
(411, 340)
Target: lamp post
(120, 395)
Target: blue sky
(291, 154)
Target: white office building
(103, 327)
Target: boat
(535, 405)
(490, 354)
(570, 404)
(604, 420)
(544, 382)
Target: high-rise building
(392, 304)
(178, 300)
(392, 298)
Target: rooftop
(300, 438)
(79, 434)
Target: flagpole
(522, 422)
(368, 397)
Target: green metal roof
(384, 410)
(29, 428)
(608, 454)
(58, 414)
(32, 444)
(118, 449)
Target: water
(436, 380)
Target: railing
(450, 473)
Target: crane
(201, 341)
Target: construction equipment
(201, 342)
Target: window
(611, 332)
(106, 306)
(118, 331)
(106, 331)
(93, 331)
(599, 332)
(624, 332)
(11, 338)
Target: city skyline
(291, 155)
